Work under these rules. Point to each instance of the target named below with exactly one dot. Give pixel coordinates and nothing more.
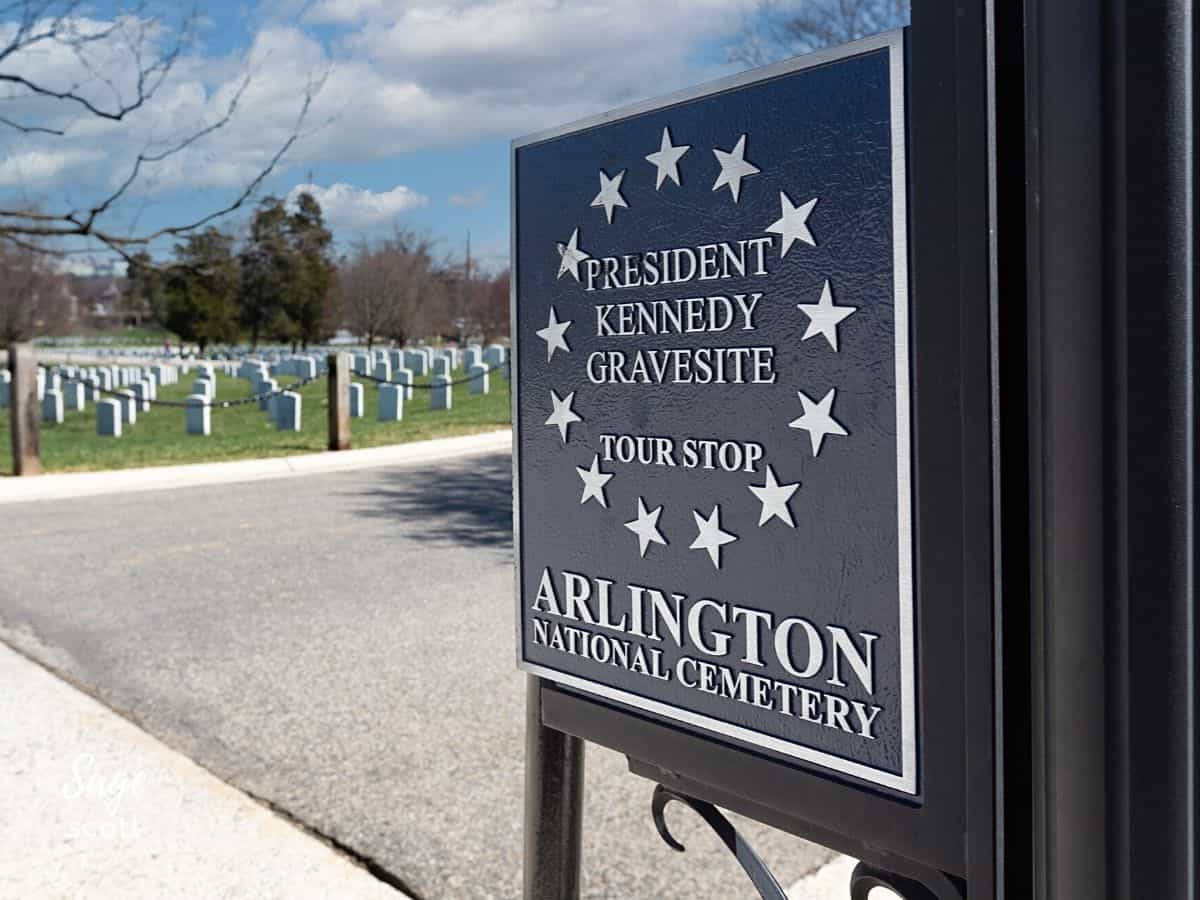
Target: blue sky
(419, 100)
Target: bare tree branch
(30, 129)
(778, 29)
(135, 33)
(64, 30)
(143, 158)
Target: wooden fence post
(339, 401)
(26, 411)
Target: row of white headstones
(70, 388)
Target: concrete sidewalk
(93, 807)
(122, 481)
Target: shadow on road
(467, 504)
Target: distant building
(99, 302)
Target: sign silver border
(907, 781)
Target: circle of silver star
(824, 317)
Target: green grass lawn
(243, 432)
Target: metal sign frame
(1052, 223)
(947, 836)
(906, 781)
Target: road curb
(120, 481)
(104, 803)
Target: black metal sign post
(822, 515)
(1096, 369)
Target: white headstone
(441, 396)
(198, 414)
(266, 387)
(441, 366)
(383, 369)
(108, 418)
(391, 403)
(129, 407)
(404, 377)
(203, 387)
(356, 400)
(52, 406)
(418, 362)
(479, 379)
(73, 397)
(142, 390)
(5, 383)
(287, 411)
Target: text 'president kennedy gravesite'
(712, 413)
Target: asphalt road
(342, 647)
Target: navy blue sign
(712, 412)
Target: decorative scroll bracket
(863, 879)
(768, 888)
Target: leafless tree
(117, 67)
(390, 288)
(486, 313)
(778, 29)
(33, 297)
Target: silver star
(666, 159)
(610, 194)
(818, 420)
(555, 335)
(571, 255)
(711, 537)
(593, 482)
(645, 526)
(734, 167)
(563, 415)
(774, 497)
(792, 225)
(824, 316)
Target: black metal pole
(553, 805)
(1112, 444)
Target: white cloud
(510, 66)
(38, 167)
(344, 12)
(395, 77)
(469, 198)
(358, 208)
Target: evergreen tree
(201, 289)
(309, 298)
(269, 272)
